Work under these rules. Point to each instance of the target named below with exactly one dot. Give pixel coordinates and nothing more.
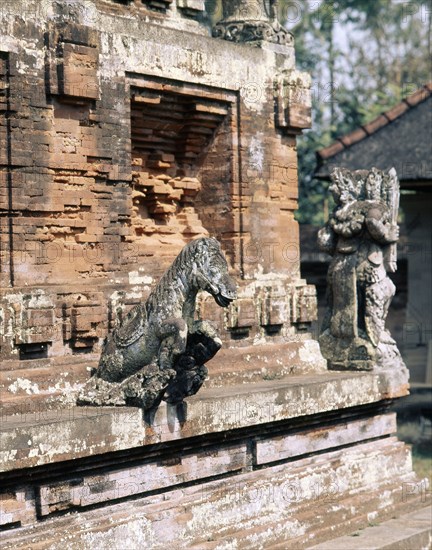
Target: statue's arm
(327, 239)
(383, 233)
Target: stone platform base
(409, 531)
(49, 384)
(282, 464)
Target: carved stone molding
(293, 101)
(158, 5)
(78, 71)
(191, 7)
(250, 21)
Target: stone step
(57, 381)
(34, 380)
(353, 514)
(37, 404)
(407, 532)
(43, 387)
(248, 364)
(317, 522)
(260, 362)
(212, 410)
(256, 509)
(51, 362)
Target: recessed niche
(33, 351)
(170, 134)
(158, 5)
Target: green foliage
(364, 56)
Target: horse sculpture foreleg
(146, 387)
(202, 344)
(172, 334)
(206, 328)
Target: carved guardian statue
(361, 237)
(159, 350)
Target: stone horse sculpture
(159, 350)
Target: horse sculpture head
(210, 271)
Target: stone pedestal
(280, 464)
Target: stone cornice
(253, 31)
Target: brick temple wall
(127, 131)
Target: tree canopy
(364, 57)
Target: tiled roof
(400, 138)
(382, 120)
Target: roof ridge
(383, 119)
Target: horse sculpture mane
(179, 269)
(159, 350)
